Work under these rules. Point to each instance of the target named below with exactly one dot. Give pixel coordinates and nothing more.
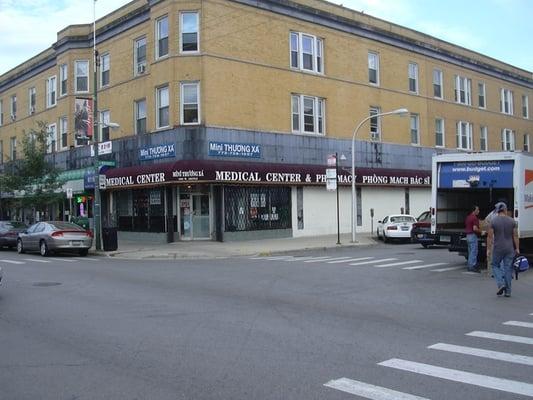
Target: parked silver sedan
(55, 236)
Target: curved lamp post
(399, 111)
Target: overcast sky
(502, 29)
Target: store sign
(157, 152)
(103, 148)
(244, 150)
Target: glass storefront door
(194, 216)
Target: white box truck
(461, 180)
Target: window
(481, 95)
(82, 76)
(63, 77)
(415, 129)
(306, 52)
(413, 77)
(105, 61)
(439, 132)
(140, 116)
(525, 106)
(13, 107)
(483, 139)
(463, 90)
(375, 128)
(508, 142)
(373, 68)
(51, 139)
(31, 100)
(1, 113)
(139, 56)
(13, 148)
(162, 120)
(526, 142)
(437, 83)
(506, 101)
(464, 135)
(161, 37)
(1, 151)
(189, 101)
(104, 125)
(189, 32)
(63, 132)
(51, 88)
(308, 114)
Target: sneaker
(500, 291)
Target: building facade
(229, 109)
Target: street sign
(101, 182)
(332, 160)
(69, 193)
(103, 148)
(331, 179)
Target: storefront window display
(141, 210)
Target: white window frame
(1, 112)
(317, 54)
(319, 114)
(463, 84)
(437, 81)
(1, 151)
(105, 66)
(138, 116)
(13, 148)
(32, 95)
(440, 121)
(183, 86)
(373, 65)
(63, 131)
(181, 25)
(506, 101)
(464, 135)
(51, 91)
(159, 106)
(158, 38)
(483, 138)
(508, 140)
(104, 118)
(414, 129)
(525, 106)
(139, 67)
(375, 124)
(63, 77)
(51, 138)
(13, 107)
(76, 76)
(413, 76)
(526, 146)
(481, 94)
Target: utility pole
(97, 216)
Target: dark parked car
(54, 236)
(9, 231)
(421, 232)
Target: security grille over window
(257, 208)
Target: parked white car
(396, 226)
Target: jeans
(502, 269)
(471, 239)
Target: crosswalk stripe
(90, 259)
(62, 259)
(519, 323)
(490, 382)
(36, 260)
(450, 269)
(270, 258)
(425, 266)
(468, 272)
(498, 336)
(350, 260)
(13, 262)
(398, 263)
(324, 259)
(369, 391)
(494, 355)
(298, 259)
(373, 261)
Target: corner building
(229, 109)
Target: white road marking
(494, 355)
(63, 259)
(324, 259)
(350, 260)
(369, 391)
(498, 336)
(468, 272)
(90, 259)
(270, 258)
(490, 382)
(36, 260)
(298, 259)
(451, 269)
(13, 262)
(425, 266)
(519, 323)
(374, 261)
(398, 263)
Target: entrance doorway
(194, 216)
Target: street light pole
(399, 111)
(97, 216)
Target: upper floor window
(81, 77)
(525, 106)
(63, 78)
(31, 100)
(105, 118)
(526, 142)
(439, 132)
(1, 151)
(415, 129)
(437, 83)
(1, 112)
(413, 77)
(63, 132)
(308, 114)
(161, 38)
(51, 88)
(51, 139)
(481, 95)
(373, 68)
(306, 52)
(189, 40)
(13, 148)
(162, 104)
(463, 90)
(483, 139)
(105, 61)
(508, 140)
(464, 135)
(375, 128)
(140, 117)
(189, 103)
(139, 57)
(13, 109)
(506, 101)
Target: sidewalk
(211, 249)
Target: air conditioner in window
(32, 110)
(141, 68)
(13, 117)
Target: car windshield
(424, 217)
(402, 218)
(65, 226)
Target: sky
(501, 29)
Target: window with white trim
(375, 126)
(464, 135)
(189, 103)
(1, 112)
(162, 107)
(51, 138)
(415, 129)
(81, 76)
(437, 83)
(31, 100)
(413, 77)
(483, 139)
(161, 37)
(189, 32)
(463, 90)
(139, 56)
(63, 79)
(373, 68)
(140, 117)
(526, 142)
(508, 140)
(13, 148)
(439, 132)
(13, 108)
(525, 106)
(63, 132)
(105, 118)
(105, 64)
(1, 151)
(308, 114)
(506, 101)
(306, 52)
(481, 95)
(51, 89)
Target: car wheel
(10, 247)
(425, 245)
(385, 238)
(83, 252)
(20, 247)
(43, 248)
(377, 234)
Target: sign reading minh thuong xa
(157, 151)
(244, 150)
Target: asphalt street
(390, 320)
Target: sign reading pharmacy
(159, 151)
(244, 150)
